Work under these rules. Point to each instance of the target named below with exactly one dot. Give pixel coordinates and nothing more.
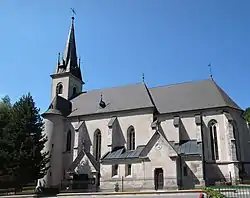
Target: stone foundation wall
(129, 184)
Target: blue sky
(170, 41)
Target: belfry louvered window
(59, 88)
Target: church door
(158, 177)
(80, 181)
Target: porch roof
(191, 147)
(120, 154)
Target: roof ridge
(180, 83)
(125, 85)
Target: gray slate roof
(123, 154)
(191, 147)
(187, 96)
(59, 106)
(116, 99)
(190, 96)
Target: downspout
(203, 152)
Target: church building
(169, 137)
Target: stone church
(173, 136)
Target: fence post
(230, 178)
(122, 183)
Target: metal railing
(226, 187)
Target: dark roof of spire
(69, 55)
(69, 60)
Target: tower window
(68, 143)
(131, 138)
(97, 144)
(214, 140)
(59, 88)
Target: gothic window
(128, 169)
(214, 139)
(59, 88)
(97, 144)
(74, 91)
(235, 142)
(68, 143)
(114, 170)
(131, 138)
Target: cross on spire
(210, 70)
(73, 13)
(143, 77)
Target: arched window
(68, 143)
(97, 144)
(74, 91)
(235, 142)
(59, 88)
(214, 139)
(131, 138)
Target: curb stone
(131, 193)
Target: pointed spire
(69, 58)
(70, 55)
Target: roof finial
(58, 61)
(73, 14)
(210, 71)
(102, 103)
(143, 77)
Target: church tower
(67, 80)
(66, 84)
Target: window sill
(115, 177)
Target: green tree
(23, 137)
(27, 126)
(247, 114)
(6, 145)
